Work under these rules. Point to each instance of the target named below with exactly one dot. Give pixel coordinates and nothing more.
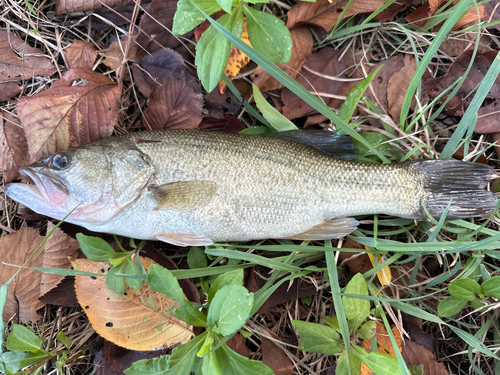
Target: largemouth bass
(193, 187)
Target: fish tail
(462, 183)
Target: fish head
(94, 183)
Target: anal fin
(184, 239)
(328, 229)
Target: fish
(196, 187)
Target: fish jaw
(43, 193)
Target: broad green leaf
(465, 289)
(212, 53)
(333, 322)
(368, 330)
(226, 5)
(63, 339)
(230, 309)
(188, 313)
(356, 309)
(276, 120)
(268, 35)
(210, 365)
(491, 287)
(207, 345)
(477, 304)
(115, 283)
(61, 361)
(95, 248)
(377, 140)
(227, 278)
(131, 268)
(344, 363)
(196, 257)
(14, 361)
(317, 338)
(163, 281)
(153, 366)
(187, 17)
(231, 363)
(24, 339)
(380, 364)
(256, 130)
(451, 306)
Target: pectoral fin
(184, 239)
(328, 229)
(184, 195)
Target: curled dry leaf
(14, 150)
(81, 55)
(137, 320)
(79, 108)
(72, 6)
(302, 43)
(415, 354)
(173, 105)
(19, 61)
(26, 288)
(488, 114)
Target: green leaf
(356, 309)
(114, 282)
(24, 339)
(465, 289)
(14, 361)
(61, 361)
(188, 313)
(187, 17)
(268, 35)
(377, 140)
(163, 281)
(276, 120)
(212, 53)
(344, 364)
(95, 248)
(131, 268)
(63, 339)
(228, 278)
(196, 257)
(317, 338)
(153, 366)
(226, 5)
(477, 304)
(210, 365)
(256, 130)
(231, 363)
(229, 310)
(380, 364)
(208, 345)
(368, 330)
(451, 306)
(263, 1)
(491, 287)
(333, 322)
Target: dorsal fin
(333, 144)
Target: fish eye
(60, 161)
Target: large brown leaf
(137, 320)
(416, 354)
(173, 105)
(72, 6)
(302, 43)
(81, 55)
(26, 288)
(18, 60)
(14, 150)
(79, 108)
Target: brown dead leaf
(26, 288)
(317, 76)
(79, 108)
(453, 46)
(73, 6)
(173, 105)
(238, 345)
(398, 83)
(275, 358)
(302, 43)
(413, 326)
(19, 61)
(225, 122)
(416, 354)
(326, 13)
(420, 16)
(115, 54)
(356, 262)
(137, 320)
(14, 151)
(384, 344)
(81, 55)
(488, 113)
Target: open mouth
(44, 185)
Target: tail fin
(461, 182)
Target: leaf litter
(159, 67)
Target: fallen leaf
(384, 275)
(454, 45)
(413, 326)
(73, 6)
(356, 262)
(19, 61)
(423, 14)
(398, 82)
(488, 113)
(275, 358)
(238, 345)
(326, 13)
(217, 104)
(318, 76)
(416, 354)
(26, 288)
(137, 320)
(81, 55)
(173, 105)
(63, 294)
(114, 56)
(237, 59)
(14, 151)
(384, 345)
(79, 108)
(302, 43)
(224, 122)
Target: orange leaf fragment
(137, 320)
(384, 345)
(237, 59)
(384, 275)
